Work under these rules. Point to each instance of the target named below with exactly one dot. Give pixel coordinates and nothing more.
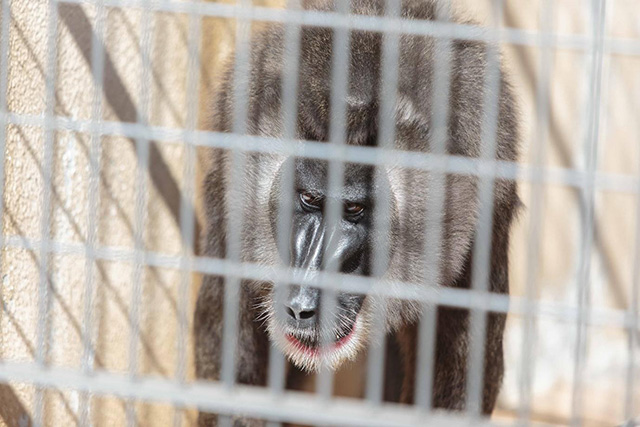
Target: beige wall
(612, 260)
(115, 216)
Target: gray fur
(410, 192)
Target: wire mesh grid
(125, 379)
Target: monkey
(293, 322)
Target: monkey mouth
(312, 343)
(312, 349)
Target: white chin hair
(314, 361)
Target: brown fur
(408, 259)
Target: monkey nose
(299, 314)
(302, 306)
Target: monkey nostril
(291, 313)
(307, 314)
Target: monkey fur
(292, 324)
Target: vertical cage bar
(435, 211)
(536, 209)
(634, 308)
(632, 339)
(44, 296)
(95, 153)
(382, 220)
(484, 231)
(289, 104)
(4, 68)
(588, 205)
(235, 219)
(333, 208)
(141, 202)
(187, 214)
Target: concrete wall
(612, 253)
(157, 353)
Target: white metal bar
(598, 9)
(624, 46)
(44, 339)
(141, 201)
(235, 218)
(482, 252)
(95, 153)
(295, 407)
(425, 372)
(289, 103)
(382, 222)
(460, 298)
(571, 177)
(435, 212)
(452, 164)
(4, 82)
(536, 209)
(4, 68)
(341, 39)
(48, 159)
(634, 312)
(187, 214)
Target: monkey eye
(310, 200)
(353, 209)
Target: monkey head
(296, 321)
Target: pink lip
(315, 351)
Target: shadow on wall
(75, 19)
(120, 100)
(12, 412)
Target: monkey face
(311, 335)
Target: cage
(105, 109)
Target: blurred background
(545, 252)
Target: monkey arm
(208, 328)
(252, 342)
